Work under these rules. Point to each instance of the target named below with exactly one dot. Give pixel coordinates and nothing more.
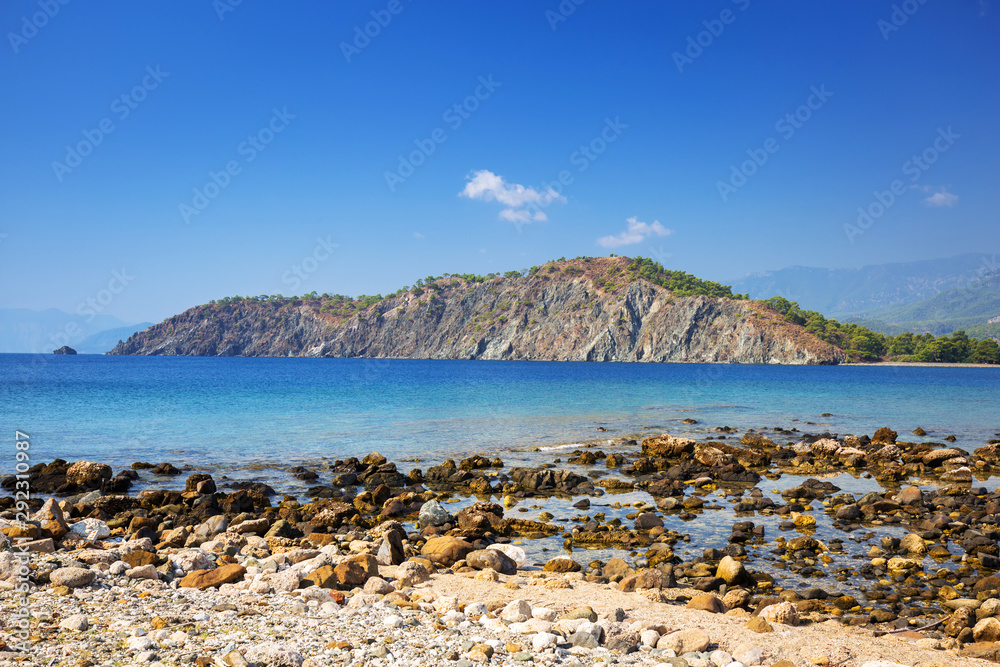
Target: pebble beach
(376, 569)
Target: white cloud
(418, 235)
(487, 186)
(635, 232)
(521, 215)
(941, 198)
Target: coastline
(819, 567)
(918, 364)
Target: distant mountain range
(843, 292)
(937, 296)
(974, 308)
(24, 330)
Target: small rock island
(65, 349)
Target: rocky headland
(430, 566)
(592, 309)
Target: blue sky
(667, 123)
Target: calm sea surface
(264, 413)
(245, 418)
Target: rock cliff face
(561, 312)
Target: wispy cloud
(418, 235)
(635, 232)
(941, 198)
(484, 185)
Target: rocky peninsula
(590, 309)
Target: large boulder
(492, 559)
(562, 564)
(691, 640)
(885, 435)
(71, 577)
(733, 572)
(88, 474)
(412, 573)
(355, 571)
(667, 446)
(641, 580)
(202, 579)
(432, 513)
(936, 457)
(446, 550)
(480, 518)
(782, 612)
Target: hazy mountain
(974, 308)
(103, 341)
(843, 292)
(24, 330)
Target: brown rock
(987, 630)
(667, 446)
(783, 612)
(712, 457)
(139, 558)
(483, 518)
(88, 473)
(885, 435)
(355, 571)
(642, 580)
(911, 495)
(202, 579)
(27, 531)
(736, 598)
(991, 583)
(758, 624)
(446, 550)
(936, 457)
(562, 564)
(616, 569)
(492, 559)
(323, 577)
(982, 650)
(707, 602)
(733, 572)
(45, 546)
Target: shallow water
(247, 418)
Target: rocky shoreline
(375, 569)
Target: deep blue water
(230, 413)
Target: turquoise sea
(252, 419)
(234, 413)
